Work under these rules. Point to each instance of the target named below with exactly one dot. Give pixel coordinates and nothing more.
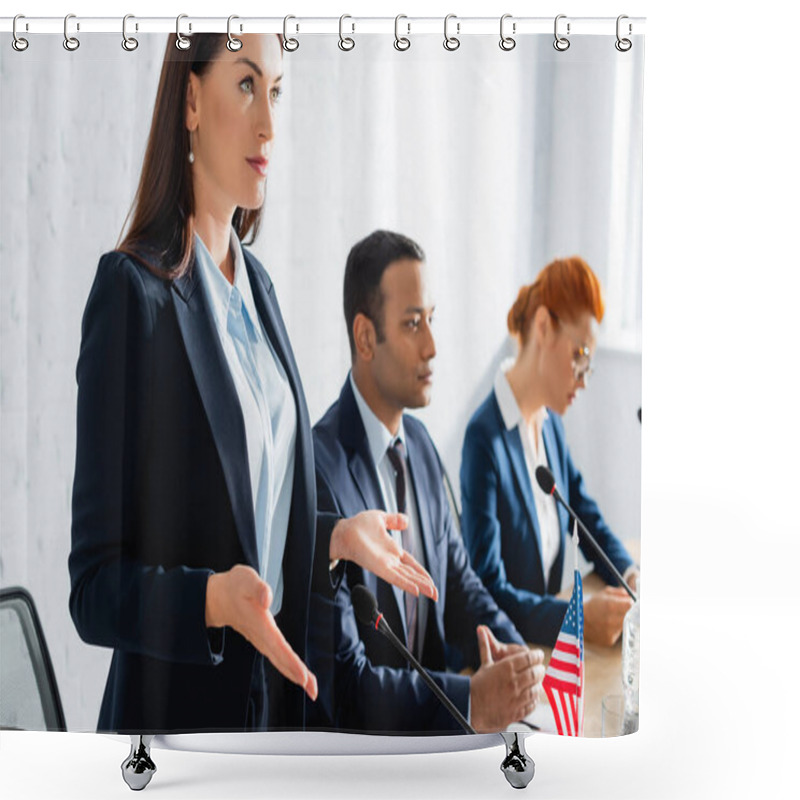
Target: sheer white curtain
(494, 162)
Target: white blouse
(535, 456)
(267, 403)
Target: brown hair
(566, 287)
(161, 233)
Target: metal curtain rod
(461, 26)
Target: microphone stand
(598, 549)
(384, 628)
(548, 477)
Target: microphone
(547, 483)
(366, 607)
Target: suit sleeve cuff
(459, 693)
(216, 645)
(327, 573)
(633, 569)
(215, 637)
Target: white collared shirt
(535, 456)
(379, 439)
(269, 413)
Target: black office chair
(29, 698)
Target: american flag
(563, 681)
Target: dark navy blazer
(162, 498)
(365, 684)
(501, 529)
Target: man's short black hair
(366, 263)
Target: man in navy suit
(369, 454)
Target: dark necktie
(396, 453)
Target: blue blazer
(365, 684)
(162, 498)
(501, 529)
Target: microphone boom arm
(384, 628)
(547, 483)
(598, 549)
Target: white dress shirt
(267, 404)
(535, 456)
(380, 439)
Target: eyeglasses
(581, 357)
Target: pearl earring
(191, 151)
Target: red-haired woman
(515, 533)
(194, 520)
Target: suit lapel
(299, 550)
(353, 436)
(390, 598)
(261, 287)
(551, 448)
(421, 490)
(220, 401)
(516, 455)
(365, 476)
(435, 561)
(267, 308)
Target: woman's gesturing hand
(365, 540)
(240, 599)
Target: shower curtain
(495, 160)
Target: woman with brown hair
(194, 529)
(515, 533)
